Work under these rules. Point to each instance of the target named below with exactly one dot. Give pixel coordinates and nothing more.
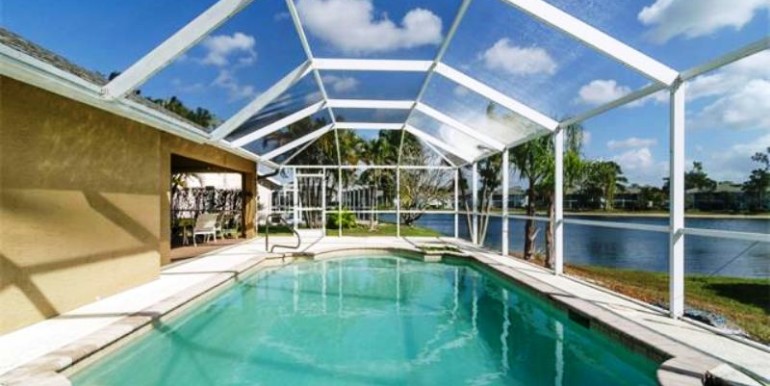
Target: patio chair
(226, 226)
(206, 225)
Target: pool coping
(680, 364)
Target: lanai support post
(676, 200)
(505, 202)
(339, 201)
(457, 203)
(398, 201)
(558, 204)
(323, 211)
(475, 192)
(296, 200)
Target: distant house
(630, 199)
(267, 189)
(517, 197)
(725, 196)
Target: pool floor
(381, 320)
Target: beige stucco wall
(83, 202)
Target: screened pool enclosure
(430, 127)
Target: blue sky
(727, 111)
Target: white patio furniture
(206, 225)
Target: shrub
(348, 220)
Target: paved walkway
(23, 346)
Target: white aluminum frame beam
(597, 39)
(328, 64)
(505, 185)
(558, 203)
(368, 126)
(437, 59)
(676, 200)
(475, 203)
(731, 57)
(277, 125)
(298, 142)
(447, 120)
(437, 142)
(261, 101)
(317, 74)
(299, 151)
(370, 104)
(172, 47)
(496, 96)
(628, 98)
(440, 154)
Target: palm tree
(574, 171)
(533, 161)
(606, 177)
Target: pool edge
(680, 364)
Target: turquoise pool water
(372, 321)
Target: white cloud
(657, 98)
(505, 56)
(183, 87)
(586, 138)
(640, 166)
(734, 163)
(744, 108)
(730, 77)
(313, 97)
(460, 91)
(601, 91)
(636, 159)
(219, 49)
(340, 84)
(631, 143)
(281, 16)
(694, 18)
(738, 95)
(352, 26)
(235, 90)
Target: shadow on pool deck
(190, 251)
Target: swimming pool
(371, 320)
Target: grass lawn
(363, 231)
(385, 229)
(744, 302)
(276, 230)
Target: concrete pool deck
(41, 350)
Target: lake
(635, 249)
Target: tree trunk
(529, 226)
(549, 245)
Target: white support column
(339, 201)
(676, 200)
(505, 172)
(457, 203)
(296, 200)
(475, 202)
(398, 202)
(558, 203)
(323, 213)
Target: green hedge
(348, 220)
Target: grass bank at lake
(384, 229)
(744, 302)
(275, 230)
